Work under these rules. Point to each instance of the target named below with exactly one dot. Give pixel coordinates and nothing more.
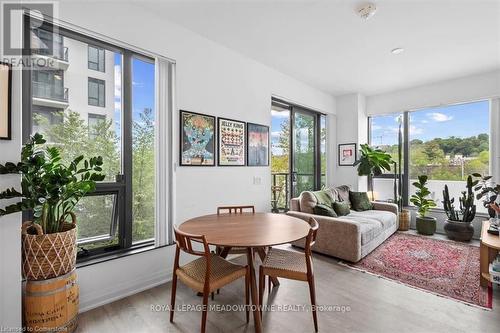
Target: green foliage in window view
(71, 135)
(50, 187)
(450, 158)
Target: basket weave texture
(49, 255)
(404, 221)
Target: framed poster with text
(257, 145)
(232, 142)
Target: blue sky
(461, 120)
(143, 88)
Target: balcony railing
(59, 52)
(281, 187)
(49, 91)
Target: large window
(120, 214)
(445, 143)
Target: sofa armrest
(387, 206)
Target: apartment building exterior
(79, 77)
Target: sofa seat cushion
(372, 223)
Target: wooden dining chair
(292, 265)
(205, 274)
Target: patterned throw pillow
(360, 201)
(341, 208)
(324, 210)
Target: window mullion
(126, 230)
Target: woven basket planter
(46, 256)
(404, 220)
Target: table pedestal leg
(262, 255)
(253, 290)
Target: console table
(490, 246)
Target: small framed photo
(5, 101)
(347, 154)
(232, 142)
(257, 145)
(197, 141)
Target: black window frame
(122, 186)
(97, 64)
(100, 100)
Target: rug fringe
(490, 298)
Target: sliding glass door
(298, 152)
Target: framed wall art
(232, 142)
(257, 145)
(347, 154)
(5, 101)
(197, 139)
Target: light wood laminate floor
(376, 305)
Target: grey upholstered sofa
(349, 237)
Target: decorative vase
(46, 256)
(426, 225)
(459, 231)
(404, 220)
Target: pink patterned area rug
(444, 268)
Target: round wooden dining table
(254, 231)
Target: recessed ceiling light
(397, 50)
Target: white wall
(210, 79)
(351, 128)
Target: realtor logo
(12, 16)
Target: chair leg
(204, 312)
(262, 285)
(172, 297)
(247, 294)
(212, 295)
(312, 291)
(269, 285)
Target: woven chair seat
(286, 264)
(222, 272)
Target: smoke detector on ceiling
(366, 10)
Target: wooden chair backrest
(184, 243)
(310, 240)
(235, 209)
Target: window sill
(441, 210)
(118, 254)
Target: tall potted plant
(426, 225)
(458, 226)
(50, 190)
(372, 162)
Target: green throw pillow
(324, 210)
(341, 208)
(324, 197)
(360, 201)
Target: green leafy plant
(487, 190)
(372, 162)
(467, 210)
(420, 198)
(49, 188)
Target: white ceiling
(325, 44)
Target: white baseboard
(122, 290)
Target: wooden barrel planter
(404, 220)
(51, 305)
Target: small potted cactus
(459, 226)
(426, 225)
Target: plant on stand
(372, 162)
(489, 191)
(426, 225)
(50, 191)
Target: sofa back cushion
(343, 194)
(360, 201)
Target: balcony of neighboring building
(50, 95)
(48, 50)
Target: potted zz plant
(458, 225)
(489, 191)
(49, 190)
(426, 225)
